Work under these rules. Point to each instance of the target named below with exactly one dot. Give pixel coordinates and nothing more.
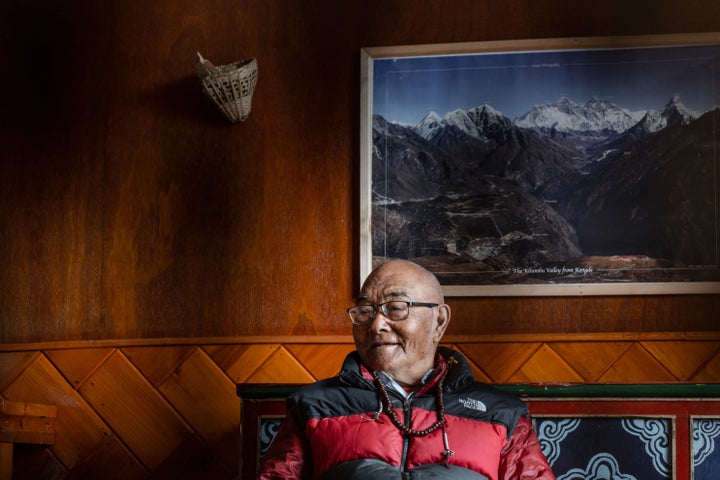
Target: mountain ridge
(565, 115)
(474, 191)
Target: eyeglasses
(395, 311)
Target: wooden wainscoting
(167, 408)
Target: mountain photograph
(566, 191)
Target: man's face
(404, 349)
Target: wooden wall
(129, 208)
(133, 216)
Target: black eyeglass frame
(380, 308)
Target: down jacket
(335, 430)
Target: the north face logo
(473, 404)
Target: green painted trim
(251, 391)
(261, 391)
(654, 390)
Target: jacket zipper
(406, 438)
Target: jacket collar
(354, 372)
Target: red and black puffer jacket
(332, 431)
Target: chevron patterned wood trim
(138, 410)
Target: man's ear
(443, 319)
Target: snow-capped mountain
(653, 121)
(476, 122)
(677, 113)
(429, 125)
(567, 116)
(673, 114)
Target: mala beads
(440, 422)
(385, 398)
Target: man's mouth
(384, 344)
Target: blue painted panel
(590, 448)
(706, 448)
(268, 429)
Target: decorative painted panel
(599, 448)
(269, 427)
(706, 448)
(595, 448)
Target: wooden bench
(674, 413)
(22, 422)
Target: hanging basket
(230, 87)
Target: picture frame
(561, 166)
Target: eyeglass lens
(394, 311)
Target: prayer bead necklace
(385, 398)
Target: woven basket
(230, 87)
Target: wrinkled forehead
(388, 288)
(398, 281)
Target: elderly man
(402, 408)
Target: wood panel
(682, 363)
(634, 364)
(212, 409)
(499, 360)
(710, 370)
(77, 364)
(111, 461)
(135, 410)
(281, 365)
(51, 169)
(79, 429)
(158, 363)
(12, 364)
(131, 209)
(240, 361)
(477, 372)
(591, 359)
(546, 366)
(321, 361)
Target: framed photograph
(570, 166)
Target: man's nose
(379, 322)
